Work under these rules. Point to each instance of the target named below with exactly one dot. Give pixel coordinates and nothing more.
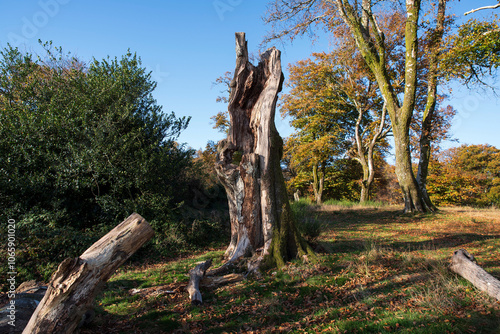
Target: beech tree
(221, 119)
(466, 175)
(334, 106)
(323, 124)
(434, 39)
(370, 40)
(365, 28)
(472, 53)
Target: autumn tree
(221, 119)
(322, 123)
(469, 55)
(433, 39)
(466, 175)
(472, 53)
(334, 106)
(355, 89)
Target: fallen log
(195, 275)
(463, 264)
(76, 282)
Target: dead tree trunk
(73, 286)
(248, 164)
(463, 264)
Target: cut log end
(196, 299)
(463, 264)
(77, 280)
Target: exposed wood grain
(248, 163)
(76, 282)
(214, 281)
(463, 264)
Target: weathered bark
(463, 264)
(296, 195)
(199, 276)
(411, 192)
(76, 282)
(193, 287)
(430, 107)
(248, 164)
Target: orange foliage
(466, 175)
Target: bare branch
(480, 8)
(291, 18)
(378, 134)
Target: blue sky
(187, 45)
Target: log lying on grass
(195, 275)
(197, 278)
(463, 264)
(76, 282)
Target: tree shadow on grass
(376, 218)
(297, 306)
(138, 312)
(448, 241)
(335, 297)
(354, 245)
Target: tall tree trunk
(365, 192)
(370, 42)
(248, 165)
(404, 172)
(430, 107)
(361, 158)
(365, 154)
(318, 184)
(368, 173)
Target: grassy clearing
(379, 272)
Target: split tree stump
(248, 164)
(76, 282)
(462, 263)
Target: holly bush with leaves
(82, 146)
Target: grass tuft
(349, 204)
(307, 221)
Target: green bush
(82, 146)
